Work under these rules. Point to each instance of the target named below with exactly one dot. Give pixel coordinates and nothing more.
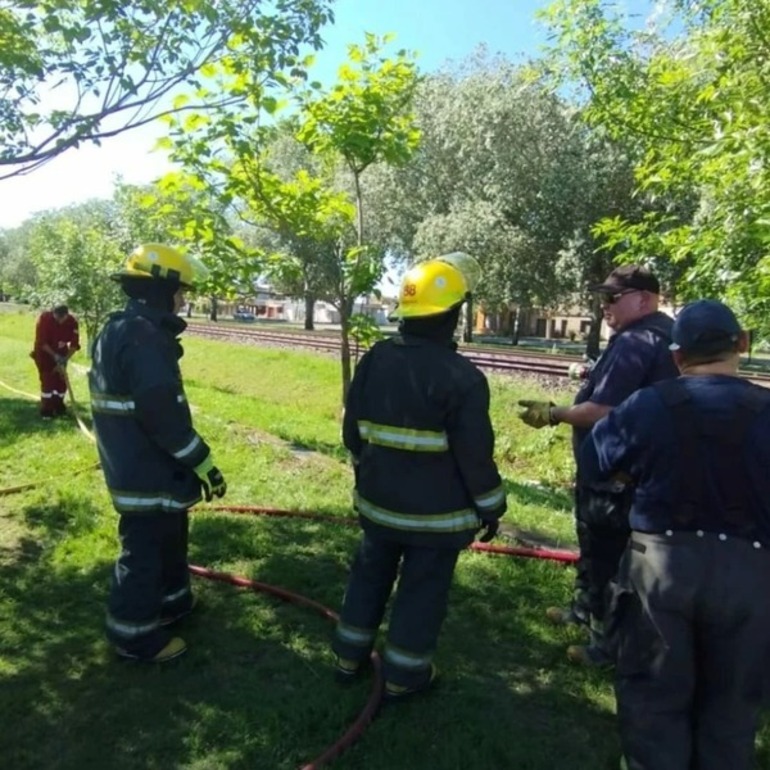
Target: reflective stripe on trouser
(418, 610)
(150, 577)
(372, 575)
(418, 613)
(53, 388)
(694, 637)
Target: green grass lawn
(255, 691)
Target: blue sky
(439, 30)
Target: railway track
(502, 361)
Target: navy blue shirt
(635, 357)
(639, 438)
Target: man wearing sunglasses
(636, 355)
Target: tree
(693, 98)
(500, 173)
(305, 252)
(362, 119)
(179, 210)
(74, 251)
(73, 71)
(17, 271)
(365, 118)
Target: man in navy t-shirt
(637, 355)
(690, 620)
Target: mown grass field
(255, 690)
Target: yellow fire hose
(83, 427)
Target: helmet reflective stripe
(157, 260)
(404, 659)
(192, 445)
(490, 499)
(453, 521)
(403, 438)
(360, 637)
(131, 630)
(135, 501)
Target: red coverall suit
(53, 338)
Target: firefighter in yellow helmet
(417, 425)
(155, 464)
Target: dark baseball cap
(705, 326)
(628, 277)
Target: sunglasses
(610, 298)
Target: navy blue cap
(705, 326)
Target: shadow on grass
(63, 518)
(334, 450)
(557, 498)
(255, 689)
(499, 705)
(21, 416)
(547, 497)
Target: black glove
(211, 479)
(489, 529)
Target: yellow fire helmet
(156, 260)
(437, 285)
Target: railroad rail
(500, 361)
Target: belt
(687, 534)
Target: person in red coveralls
(56, 340)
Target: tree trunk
(515, 325)
(214, 308)
(468, 325)
(309, 311)
(345, 350)
(189, 309)
(594, 333)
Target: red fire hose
(550, 554)
(369, 711)
(370, 708)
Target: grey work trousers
(694, 645)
